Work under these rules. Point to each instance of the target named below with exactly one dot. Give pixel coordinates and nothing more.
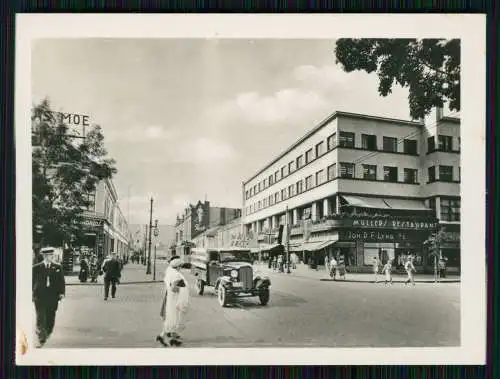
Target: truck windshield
(240, 256)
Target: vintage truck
(230, 271)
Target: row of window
(450, 208)
(347, 140)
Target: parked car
(230, 272)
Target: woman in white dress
(175, 304)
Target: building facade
(364, 187)
(105, 229)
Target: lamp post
(156, 233)
(288, 241)
(148, 266)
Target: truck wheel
(200, 287)
(264, 296)
(222, 296)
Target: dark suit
(112, 273)
(47, 286)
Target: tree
(64, 175)
(429, 68)
(433, 245)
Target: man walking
(112, 273)
(48, 288)
(410, 270)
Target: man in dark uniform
(48, 288)
(112, 273)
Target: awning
(401, 204)
(365, 202)
(314, 246)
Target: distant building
(364, 187)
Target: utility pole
(145, 244)
(148, 267)
(288, 241)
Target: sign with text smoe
(381, 236)
(387, 223)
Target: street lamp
(148, 266)
(156, 233)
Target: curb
(122, 283)
(394, 281)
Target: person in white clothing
(388, 272)
(410, 270)
(175, 304)
(376, 268)
(333, 268)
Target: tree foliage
(63, 174)
(429, 68)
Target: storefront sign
(93, 223)
(378, 236)
(383, 223)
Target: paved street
(303, 311)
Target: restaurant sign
(93, 223)
(383, 223)
(381, 236)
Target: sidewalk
(304, 271)
(132, 273)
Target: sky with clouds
(186, 119)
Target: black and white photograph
(250, 189)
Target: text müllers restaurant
(360, 240)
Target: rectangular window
(300, 187)
(260, 205)
(276, 197)
(309, 182)
(450, 209)
(90, 201)
(276, 176)
(390, 144)
(410, 176)
(265, 183)
(251, 208)
(284, 171)
(309, 155)
(369, 172)
(332, 171)
(291, 167)
(300, 161)
(410, 146)
(332, 141)
(431, 174)
(445, 173)
(291, 190)
(320, 177)
(271, 177)
(346, 170)
(390, 174)
(283, 194)
(432, 204)
(445, 143)
(247, 194)
(431, 145)
(346, 139)
(258, 187)
(320, 149)
(369, 142)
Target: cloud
(203, 150)
(323, 77)
(142, 134)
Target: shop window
(431, 145)
(300, 161)
(369, 172)
(347, 139)
(331, 141)
(410, 146)
(390, 144)
(320, 177)
(450, 209)
(346, 170)
(291, 167)
(332, 171)
(431, 174)
(410, 176)
(309, 155)
(445, 173)
(369, 142)
(309, 182)
(390, 174)
(320, 149)
(445, 143)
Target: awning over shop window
(365, 202)
(401, 204)
(313, 246)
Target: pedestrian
(333, 268)
(388, 272)
(327, 264)
(84, 269)
(112, 274)
(376, 268)
(48, 288)
(175, 304)
(410, 270)
(94, 270)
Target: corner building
(365, 187)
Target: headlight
(234, 274)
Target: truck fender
(223, 280)
(262, 281)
